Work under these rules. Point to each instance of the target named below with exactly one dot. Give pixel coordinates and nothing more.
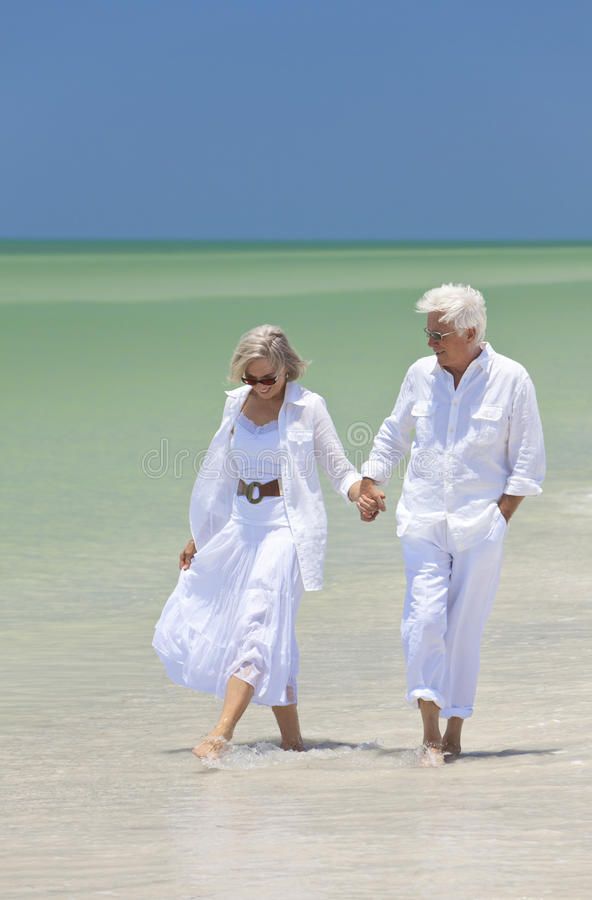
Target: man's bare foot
(431, 755)
(450, 749)
(430, 714)
(451, 739)
(212, 747)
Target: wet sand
(105, 798)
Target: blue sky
(303, 120)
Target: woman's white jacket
(307, 435)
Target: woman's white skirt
(233, 612)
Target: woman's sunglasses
(266, 382)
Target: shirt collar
(484, 360)
(239, 392)
(294, 393)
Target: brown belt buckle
(249, 492)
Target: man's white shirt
(468, 446)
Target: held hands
(370, 501)
(187, 554)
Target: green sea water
(113, 359)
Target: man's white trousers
(448, 600)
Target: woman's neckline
(249, 419)
(256, 425)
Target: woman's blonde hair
(266, 342)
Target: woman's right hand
(187, 554)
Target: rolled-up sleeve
(526, 448)
(393, 439)
(330, 453)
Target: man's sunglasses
(437, 335)
(267, 381)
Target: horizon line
(297, 242)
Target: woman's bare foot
(287, 719)
(211, 747)
(297, 746)
(236, 699)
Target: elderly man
(471, 420)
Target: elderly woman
(258, 541)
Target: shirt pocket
(300, 436)
(487, 423)
(301, 450)
(423, 417)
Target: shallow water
(103, 797)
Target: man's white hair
(458, 304)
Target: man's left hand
(508, 504)
(371, 500)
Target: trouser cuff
(424, 694)
(463, 712)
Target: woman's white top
(306, 436)
(256, 450)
